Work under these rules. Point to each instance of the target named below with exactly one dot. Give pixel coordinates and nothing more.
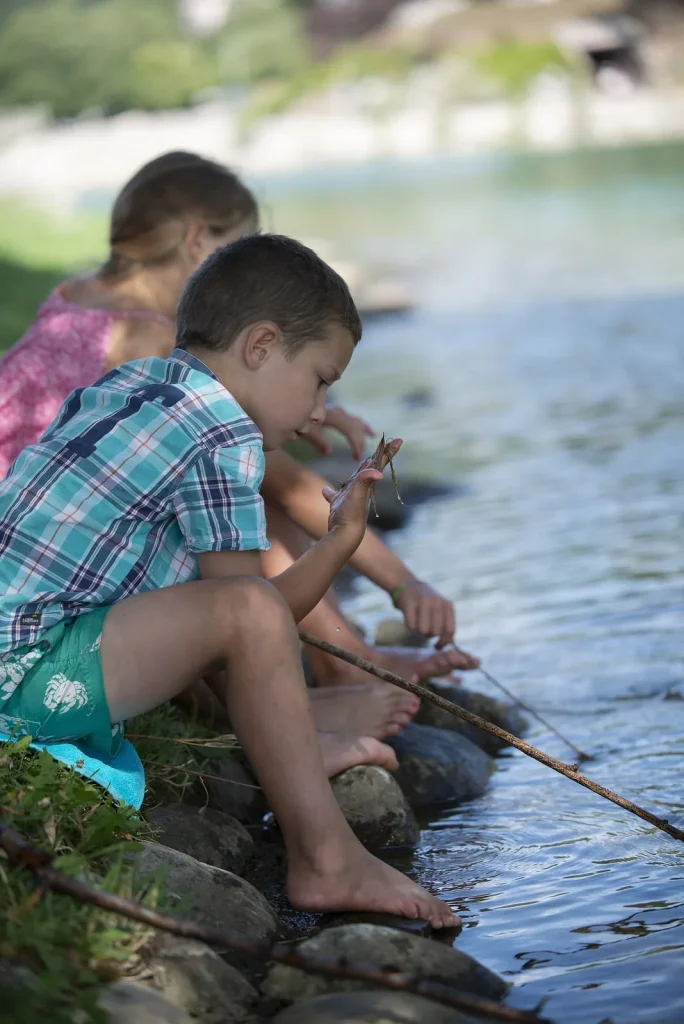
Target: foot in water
(342, 750)
(373, 710)
(352, 879)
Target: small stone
(209, 895)
(384, 948)
(439, 767)
(395, 633)
(235, 791)
(506, 716)
(375, 807)
(127, 1002)
(207, 835)
(199, 981)
(375, 1007)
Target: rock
(127, 1002)
(375, 807)
(207, 835)
(237, 793)
(437, 766)
(506, 716)
(382, 947)
(403, 924)
(210, 895)
(199, 981)
(395, 633)
(375, 1007)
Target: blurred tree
(73, 55)
(262, 39)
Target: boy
(130, 540)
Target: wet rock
(504, 715)
(438, 767)
(236, 791)
(207, 835)
(402, 924)
(196, 979)
(375, 807)
(385, 948)
(395, 633)
(374, 1007)
(210, 895)
(127, 1002)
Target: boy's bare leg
(288, 543)
(156, 644)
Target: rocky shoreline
(224, 865)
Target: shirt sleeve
(218, 505)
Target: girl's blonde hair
(150, 214)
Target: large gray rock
(504, 715)
(207, 835)
(384, 948)
(439, 767)
(235, 791)
(374, 1007)
(196, 979)
(127, 1002)
(209, 895)
(375, 807)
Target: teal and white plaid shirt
(153, 464)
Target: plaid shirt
(151, 465)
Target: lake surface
(550, 338)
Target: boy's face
(290, 393)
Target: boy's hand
(353, 428)
(349, 503)
(429, 613)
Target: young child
(130, 540)
(170, 216)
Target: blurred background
(502, 184)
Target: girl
(167, 219)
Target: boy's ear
(261, 341)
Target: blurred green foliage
(113, 55)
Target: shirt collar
(186, 357)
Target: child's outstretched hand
(352, 428)
(349, 503)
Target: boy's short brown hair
(264, 277)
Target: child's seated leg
(155, 644)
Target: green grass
(64, 950)
(37, 251)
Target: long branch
(38, 863)
(570, 771)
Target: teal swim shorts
(53, 690)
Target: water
(549, 334)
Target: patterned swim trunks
(53, 690)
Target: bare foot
(413, 663)
(341, 751)
(375, 710)
(352, 879)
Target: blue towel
(122, 775)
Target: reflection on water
(548, 357)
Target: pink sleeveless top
(64, 348)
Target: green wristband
(397, 592)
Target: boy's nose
(317, 416)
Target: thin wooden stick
(570, 771)
(37, 862)
(582, 756)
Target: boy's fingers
(329, 493)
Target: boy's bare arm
(304, 583)
(296, 491)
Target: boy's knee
(256, 600)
